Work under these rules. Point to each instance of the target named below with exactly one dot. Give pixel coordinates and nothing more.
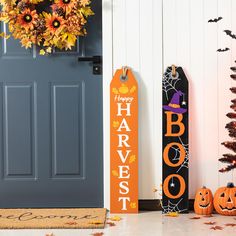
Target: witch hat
(174, 104)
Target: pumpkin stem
(230, 185)
(204, 187)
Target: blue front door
(51, 124)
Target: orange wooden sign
(124, 142)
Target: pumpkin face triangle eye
(222, 195)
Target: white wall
(150, 35)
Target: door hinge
(96, 62)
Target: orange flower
(66, 5)
(54, 23)
(27, 19)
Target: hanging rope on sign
(124, 72)
(173, 70)
(124, 142)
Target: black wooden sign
(175, 140)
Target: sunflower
(27, 19)
(54, 23)
(66, 5)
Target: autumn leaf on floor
(208, 216)
(172, 214)
(217, 227)
(96, 222)
(230, 224)
(98, 234)
(195, 218)
(111, 224)
(210, 223)
(70, 223)
(115, 218)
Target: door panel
(67, 130)
(51, 124)
(19, 133)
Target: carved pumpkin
(225, 200)
(203, 204)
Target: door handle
(97, 63)
(94, 59)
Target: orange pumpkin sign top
(124, 143)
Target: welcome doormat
(90, 218)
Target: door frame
(107, 24)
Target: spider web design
(171, 207)
(169, 83)
(177, 155)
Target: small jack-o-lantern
(203, 204)
(225, 200)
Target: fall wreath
(48, 24)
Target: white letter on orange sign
(127, 109)
(123, 159)
(124, 199)
(124, 185)
(124, 125)
(123, 138)
(124, 170)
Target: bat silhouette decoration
(229, 32)
(233, 76)
(233, 68)
(215, 20)
(223, 50)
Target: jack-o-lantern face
(203, 204)
(225, 200)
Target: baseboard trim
(155, 204)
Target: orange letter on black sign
(170, 123)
